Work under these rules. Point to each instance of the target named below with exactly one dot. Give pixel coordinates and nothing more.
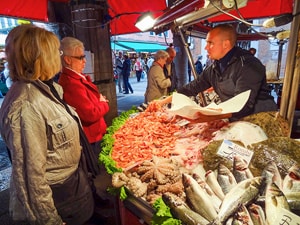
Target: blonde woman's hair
(161, 54)
(32, 53)
(68, 46)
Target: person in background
(8, 80)
(126, 74)
(233, 71)
(138, 68)
(157, 83)
(81, 93)
(42, 137)
(198, 65)
(169, 69)
(149, 62)
(119, 68)
(252, 51)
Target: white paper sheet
(185, 107)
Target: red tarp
(28, 9)
(124, 13)
(125, 22)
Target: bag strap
(88, 160)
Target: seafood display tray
(139, 207)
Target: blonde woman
(43, 138)
(158, 84)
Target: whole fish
(181, 211)
(197, 198)
(225, 178)
(271, 174)
(291, 182)
(274, 200)
(240, 169)
(216, 201)
(257, 214)
(242, 194)
(212, 181)
(242, 217)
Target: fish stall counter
(164, 167)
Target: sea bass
(240, 169)
(272, 174)
(198, 199)
(242, 217)
(257, 214)
(225, 178)
(216, 201)
(274, 200)
(212, 181)
(291, 182)
(242, 194)
(181, 211)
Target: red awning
(28, 9)
(124, 13)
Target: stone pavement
(126, 101)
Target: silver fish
(274, 199)
(291, 182)
(212, 181)
(181, 211)
(242, 194)
(197, 198)
(225, 178)
(240, 169)
(216, 201)
(293, 199)
(271, 174)
(257, 214)
(242, 217)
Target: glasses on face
(78, 57)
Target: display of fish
(197, 198)
(225, 178)
(181, 211)
(216, 201)
(257, 214)
(242, 217)
(274, 200)
(240, 169)
(212, 181)
(242, 194)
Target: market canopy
(137, 46)
(123, 14)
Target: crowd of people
(53, 130)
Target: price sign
(229, 150)
(285, 217)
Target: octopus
(131, 182)
(161, 170)
(151, 179)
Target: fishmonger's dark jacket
(242, 72)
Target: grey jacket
(158, 84)
(44, 143)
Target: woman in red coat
(81, 93)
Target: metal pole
(193, 70)
(281, 43)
